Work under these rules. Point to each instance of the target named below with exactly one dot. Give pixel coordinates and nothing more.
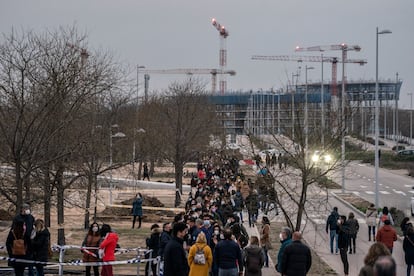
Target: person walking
(343, 242)
(331, 229)
(375, 251)
(146, 172)
(41, 244)
(296, 259)
(252, 205)
(371, 220)
(175, 259)
(383, 216)
(17, 233)
(200, 257)
(92, 239)
(265, 239)
(107, 248)
(286, 239)
(153, 243)
(408, 246)
(228, 256)
(137, 210)
(387, 235)
(253, 258)
(353, 231)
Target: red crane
(222, 54)
(333, 60)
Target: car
(406, 152)
(398, 148)
(319, 157)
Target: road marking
(400, 192)
(408, 186)
(370, 192)
(364, 177)
(411, 192)
(384, 192)
(387, 187)
(363, 186)
(356, 193)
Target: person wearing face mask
(90, 252)
(28, 223)
(137, 210)
(286, 239)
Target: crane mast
(222, 54)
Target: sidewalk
(316, 237)
(252, 231)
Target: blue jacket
(137, 207)
(226, 253)
(280, 254)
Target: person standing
(371, 220)
(252, 205)
(383, 216)
(253, 258)
(92, 239)
(107, 248)
(286, 239)
(146, 172)
(153, 243)
(331, 229)
(375, 251)
(17, 232)
(343, 242)
(200, 267)
(265, 239)
(137, 209)
(228, 256)
(408, 246)
(353, 231)
(175, 259)
(387, 235)
(297, 258)
(41, 244)
(28, 223)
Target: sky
(165, 34)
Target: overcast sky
(162, 34)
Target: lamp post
(322, 107)
(111, 136)
(133, 140)
(377, 115)
(411, 117)
(306, 108)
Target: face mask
(216, 232)
(281, 237)
(193, 208)
(27, 212)
(229, 221)
(95, 229)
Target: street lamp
(411, 117)
(133, 140)
(111, 136)
(306, 108)
(377, 115)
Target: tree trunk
(19, 187)
(95, 183)
(178, 183)
(139, 169)
(88, 200)
(60, 206)
(46, 196)
(152, 167)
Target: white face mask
(27, 212)
(95, 229)
(281, 237)
(216, 232)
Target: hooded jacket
(387, 235)
(109, 245)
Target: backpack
(18, 248)
(243, 240)
(253, 264)
(199, 257)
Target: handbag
(18, 248)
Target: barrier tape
(81, 263)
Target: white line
(384, 192)
(356, 193)
(400, 192)
(370, 192)
(363, 186)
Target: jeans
(266, 263)
(344, 259)
(352, 242)
(333, 235)
(228, 272)
(369, 232)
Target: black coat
(343, 235)
(409, 249)
(175, 258)
(40, 245)
(296, 259)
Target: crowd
(343, 232)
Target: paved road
(395, 189)
(316, 237)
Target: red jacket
(387, 235)
(109, 245)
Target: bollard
(61, 258)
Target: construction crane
(193, 71)
(222, 54)
(333, 60)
